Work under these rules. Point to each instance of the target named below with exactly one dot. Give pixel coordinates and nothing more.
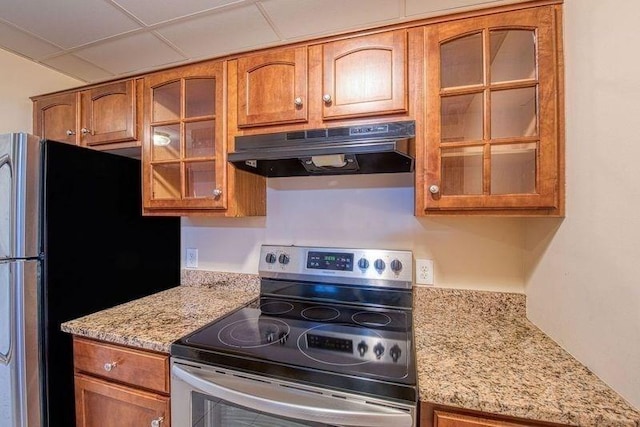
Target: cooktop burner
(339, 331)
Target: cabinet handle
(157, 422)
(434, 189)
(326, 98)
(298, 101)
(70, 132)
(85, 131)
(217, 192)
(110, 366)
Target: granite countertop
(474, 350)
(155, 321)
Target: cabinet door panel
(365, 75)
(103, 404)
(109, 114)
(272, 88)
(55, 118)
(448, 419)
(492, 114)
(184, 164)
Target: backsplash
(243, 281)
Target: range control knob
(270, 258)
(379, 265)
(378, 350)
(395, 352)
(396, 266)
(362, 348)
(363, 263)
(283, 259)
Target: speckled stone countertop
(474, 350)
(155, 321)
(477, 350)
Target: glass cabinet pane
(513, 55)
(166, 102)
(166, 181)
(461, 62)
(513, 168)
(200, 97)
(514, 113)
(461, 171)
(461, 117)
(200, 179)
(166, 142)
(200, 138)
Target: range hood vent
(364, 149)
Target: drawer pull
(110, 366)
(157, 422)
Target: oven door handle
(290, 401)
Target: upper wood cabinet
(55, 117)
(494, 139)
(184, 156)
(108, 114)
(272, 87)
(362, 76)
(99, 117)
(183, 148)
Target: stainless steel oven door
(207, 396)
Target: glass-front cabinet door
(183, 157)
(492, 113)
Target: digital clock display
(338, 261)
(329, 343)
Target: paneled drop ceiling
(97, 40)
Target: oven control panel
(337, 265)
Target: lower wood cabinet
(120, 386)
(442, 416)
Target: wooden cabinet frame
(549, 196)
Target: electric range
(330, 320)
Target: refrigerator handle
(5, 160)
(5, 358)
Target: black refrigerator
(73, 241)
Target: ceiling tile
(133, 53)
(25, 44)
(306, 17)
(415, 7)
(152, 11)
(68, 23)
(220, 33)
(78, 68)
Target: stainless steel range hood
(372, 148)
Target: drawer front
(136, 367)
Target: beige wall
(20, 79)
(374, 211)
(583, 273)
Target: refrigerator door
(19, 195)
(20, 401)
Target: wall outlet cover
(191, 260)
(424, 271)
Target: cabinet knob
(70, 132)
(85, 131)
(110, 366)
(217, 192)
(326, 98)
(298, 102)
(434, 189)
(157, 422)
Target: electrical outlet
(424, 271)
(192, 258)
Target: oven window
(211, 412)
